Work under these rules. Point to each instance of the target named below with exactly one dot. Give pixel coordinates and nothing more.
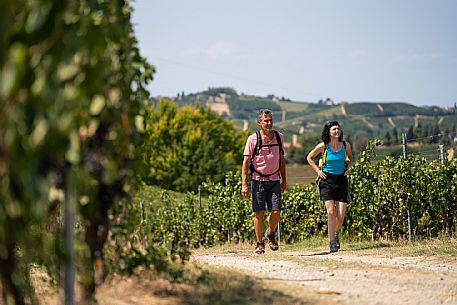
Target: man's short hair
(262, 112)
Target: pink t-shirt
(267, 161)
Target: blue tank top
(334, 161)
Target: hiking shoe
(260, 248)
(333, 246)
(271, 236)
(337, 240)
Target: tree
(187, 146)
(388, 138)
(72, 98)
(436, 133)
(447, 137)
(419, 130)
(395, 135)
(410, 134)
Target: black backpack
(258, 146)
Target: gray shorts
(268, 192)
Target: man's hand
(245, 190)
(283, 185)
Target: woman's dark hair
(326, 131)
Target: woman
(332, 177)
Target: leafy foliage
(383, 194)
(303, 215)
(72, 97)
(386, 192)
(186, 146)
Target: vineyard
(393, 199)
(89, 165)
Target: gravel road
(350, 279)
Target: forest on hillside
(424, 128)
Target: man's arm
(244, 176)
(282, 169)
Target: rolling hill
(358, 119)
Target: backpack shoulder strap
(345, 151)
(258, 144)
(278, 139)
(324, 156)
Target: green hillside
(360, 120)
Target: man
(264, 157)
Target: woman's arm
(312, 154)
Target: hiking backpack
(258, 146)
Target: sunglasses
(332, 123)
(265, 111)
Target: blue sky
(348, 50)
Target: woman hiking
(332, 177)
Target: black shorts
(266, 193)
(335, 187)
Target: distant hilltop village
(329, 102)
(361, 120)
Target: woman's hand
(346, 168)
(322, 175)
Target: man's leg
(258, 225)
(258, 206)
(271, 234)
(274, 206)
(274, 220)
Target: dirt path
(352, 279)
(367, 276)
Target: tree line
(427, 134)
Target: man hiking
(264, 158)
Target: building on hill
(328, 102)
(218, 104)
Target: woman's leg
(331, 218)
(340, 213)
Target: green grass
(153, 194)
(293, 106)
(299, 174)
(438, 247)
